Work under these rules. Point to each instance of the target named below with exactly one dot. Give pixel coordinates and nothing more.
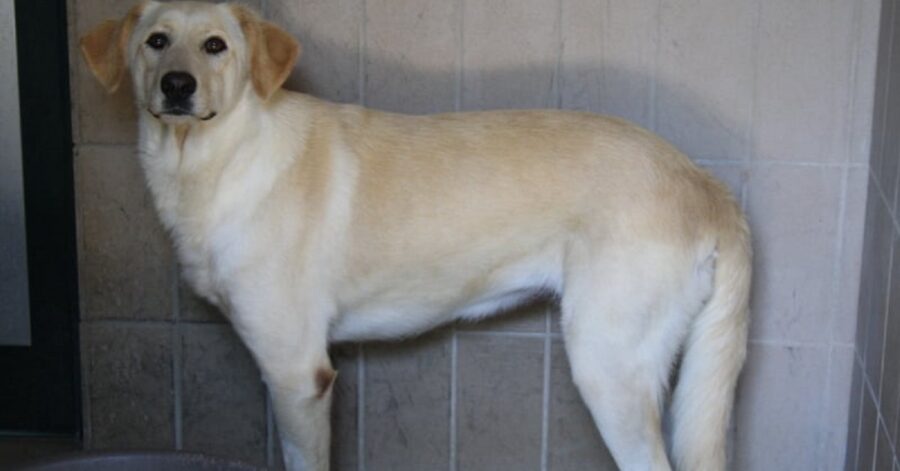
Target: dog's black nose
(178, 85)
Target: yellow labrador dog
(309, 222)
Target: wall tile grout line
(361, 55)
(839, 244)
(875, 437)
(454, 339)
(890, 441)
(545, 393)
(858, 360)
(852, 78)
(876, 396)
(884, 199)
(790, 344)
(83, 348)
(884, 428)
(460, 54)
(897, 407)
(838, 344)
(74, 77)
(657, 49)
(454, 380)
(750, 156)
(501, 333)
(362, 51)
(826, 404)
(360, 408)
(750, 151)
(871, 391)
(128, 322)
(702, 161)
(873, 180)
(545, 406)
(783, 163)
(177, 354)
(787, 163)
(86, 424)
(603, 52)
(102, 144)
(556, 90)
(508, 334)
(849, 160)
(271, 437)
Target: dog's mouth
(180, 112)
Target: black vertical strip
(40, 388)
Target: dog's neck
(183, 163)
(192, 144)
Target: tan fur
(274, 51)
(104, 48)
(309, 222)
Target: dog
(309, 222)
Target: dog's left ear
(104, 48)
(273, 51)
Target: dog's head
(188, 60)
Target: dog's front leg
(302, 405)
(291, 350)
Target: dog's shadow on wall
(706, 126)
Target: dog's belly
(406, 309)
(386, 321)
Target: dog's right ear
(104, 48)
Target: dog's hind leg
(623, 323)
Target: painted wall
(774, 97)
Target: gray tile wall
(874, 438)
(776, 98)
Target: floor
(18, 450)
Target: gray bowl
(136, 461)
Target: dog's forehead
(181, 16)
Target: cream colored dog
(309, 222)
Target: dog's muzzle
(178, 88)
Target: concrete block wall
(776, 98)
(874, 439)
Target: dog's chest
(213, 217)
(210, 252)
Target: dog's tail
(713, 356)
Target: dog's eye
(214, 45)
(158, 41)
